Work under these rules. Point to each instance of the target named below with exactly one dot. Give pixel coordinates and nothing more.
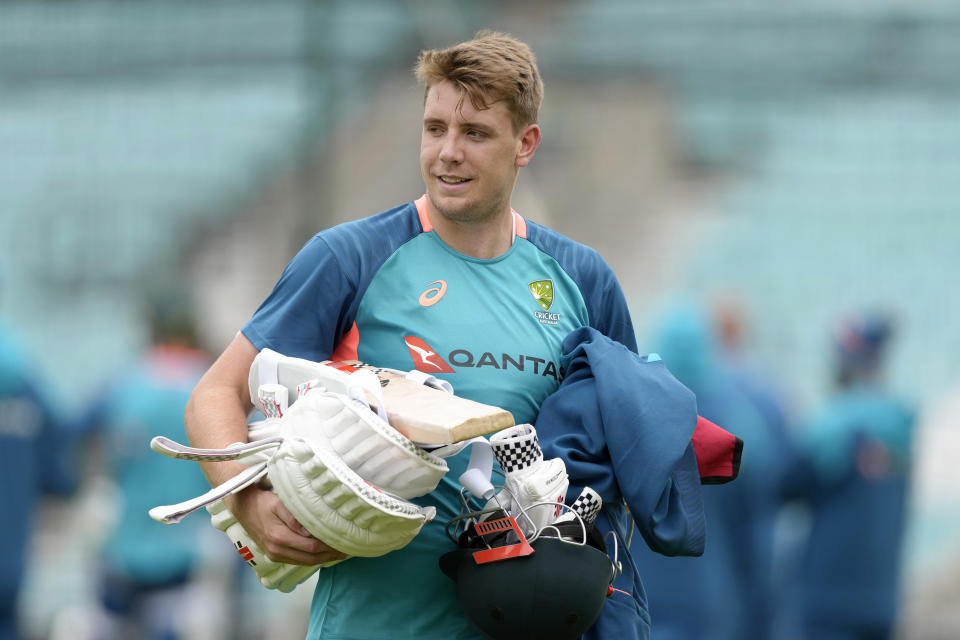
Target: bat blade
(420, 412)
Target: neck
(484, 239)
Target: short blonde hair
(487, 69)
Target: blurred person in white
(36, 458)
(854, 472)
(147, 570)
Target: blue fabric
(370, 274)
(315, 301)
(623, 423)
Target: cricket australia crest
(542, 291)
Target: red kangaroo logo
(425, 357)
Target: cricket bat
(421, 407)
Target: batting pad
(364, 442)
(337, 506)
(272, 575)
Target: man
(854, 472)
(455, 284)
(146, 570)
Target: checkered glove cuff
(587, 505)
(516, 448)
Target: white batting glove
(530, 481)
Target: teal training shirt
(388, 291)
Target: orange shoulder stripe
(520, 224)
(421, 203)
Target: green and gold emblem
(542, 291)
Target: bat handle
(174, 513)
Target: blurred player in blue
(855, 476)
(725, 593)
(35, 458)
(147, 568)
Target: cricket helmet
(555, 590)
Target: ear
(529, 141)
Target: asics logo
(424, 357)
(432, 295)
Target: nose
(450, 150)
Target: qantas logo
(426, 359)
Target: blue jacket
(623, 425)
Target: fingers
(294, 544)
(287, 518)
(277, 532)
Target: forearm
(216, 418)
(216, 414)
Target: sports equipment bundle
(343, 472)
(528, 565)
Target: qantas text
(537, 366)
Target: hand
(276, 531)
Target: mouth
(453, 180)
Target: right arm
(216, 416)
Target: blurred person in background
(147, 569)
(764, 388)
(769, 393)
(36, 458)
(726, 593)
(854, 474)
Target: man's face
(469, 158)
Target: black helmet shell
(556, 593)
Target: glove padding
(272, 575)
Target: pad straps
(172, 514)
